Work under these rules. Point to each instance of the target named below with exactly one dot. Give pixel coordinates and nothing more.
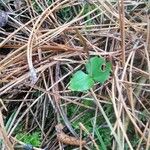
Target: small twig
(122, 28)
(83, 42)
(87, 132)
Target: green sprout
(98, 70)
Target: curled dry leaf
(69, 140)
(66, 139)
(3, 18)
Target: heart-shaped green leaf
(98, 69)
(81, 82)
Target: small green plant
(104, 138)
(33, 139)
(98, 70)
(87, 8)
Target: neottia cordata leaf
(98, 69)
(81, 81)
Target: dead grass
(39, 52)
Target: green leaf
(81, 82)
(95, 69)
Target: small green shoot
(98, 70)
(103, 146)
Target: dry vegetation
(43, 43)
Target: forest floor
(74, 75)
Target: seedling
(98, 71)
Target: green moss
(33, 138)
